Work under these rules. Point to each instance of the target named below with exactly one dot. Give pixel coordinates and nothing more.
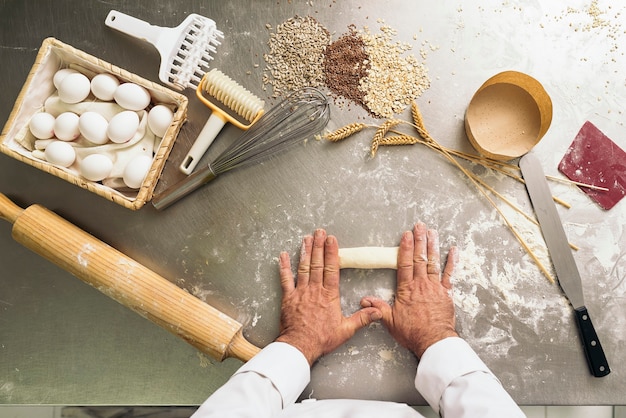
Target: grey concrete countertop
(62, 342)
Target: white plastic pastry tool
(185, 50)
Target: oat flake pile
(370, 69)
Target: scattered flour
(494, 293)
(82, 256)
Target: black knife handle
(593, 349)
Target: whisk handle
(181, 189)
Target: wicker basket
(54, 55)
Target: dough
(368, 258)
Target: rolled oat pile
(395, 77)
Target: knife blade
(563, 260)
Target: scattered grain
(595, 20)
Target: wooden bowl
(508, 115)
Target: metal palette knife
(563, 260)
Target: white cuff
(443, 362)
(285, 366)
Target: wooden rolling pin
(128, 282)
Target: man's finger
(420, 252)
(382, 306)
(363, 318)
(304, 266)
(317, 257)
(405, 259)
(331, 263)
(434, 259)
(448, 270)
(286, 277)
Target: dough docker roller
(142, 290)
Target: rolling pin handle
(9, 211)
(240, 348)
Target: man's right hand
(423, 310)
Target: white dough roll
(368, 258)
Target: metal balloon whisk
(293, 120)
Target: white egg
(123, 126)
(132, 96)
(96, 167)
(93, 126)
(60, 75)
(41, 125)
(66, 126)
(60, 153)
(136, 170)
(159, 119)
(74, 88)
(103, 86)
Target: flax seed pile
(370, 69)
(346, 63)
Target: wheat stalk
(393, 140)
(345, 132)
(381, 132)
(418, 120)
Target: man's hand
(423, 310)
(311, 318)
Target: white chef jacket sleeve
(456, 383)
(269, 382)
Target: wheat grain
(345, 132)
(381, 132)
(385, 127)
(417, 116)
(399, 140)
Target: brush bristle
(232, 94)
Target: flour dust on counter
(491, 306)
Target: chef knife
(563, 260)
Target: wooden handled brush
(221, 87)
(128, 282)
